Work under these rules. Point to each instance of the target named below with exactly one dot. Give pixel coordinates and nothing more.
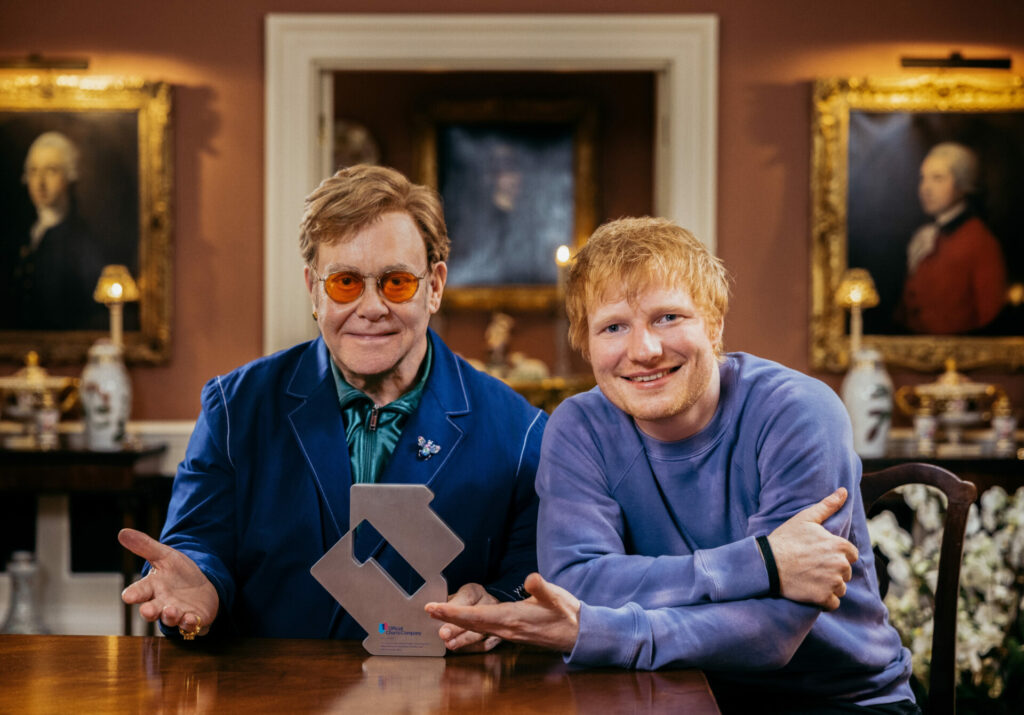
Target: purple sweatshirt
(657, 539)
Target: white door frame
(682, 50)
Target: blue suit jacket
(263, 491)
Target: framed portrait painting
(517, 180)
(85, 182)
(918, 180)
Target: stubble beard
(663, 407)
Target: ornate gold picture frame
(108, 202)
(518, 180)
(869, 139)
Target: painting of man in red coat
(956, 272)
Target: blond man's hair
(628, 256)
(357, 196)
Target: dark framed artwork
(518, 180)
(85, 181)
(871, 139)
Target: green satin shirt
(373, 430)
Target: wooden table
(114, 674)
(124, 475)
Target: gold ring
(191, 635)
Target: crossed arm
(814, 566)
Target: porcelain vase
(867, 394)
(106, 397)
(24, 614)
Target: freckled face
(655, 359)
(938, 190)
(378, 345)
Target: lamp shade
(115, 286)
(856, 289)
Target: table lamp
(867, 387)
(856, 291)
(115, 288)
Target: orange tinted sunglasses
(395, 286)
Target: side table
(125, 475)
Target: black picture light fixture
(958, 61)
(36, 61)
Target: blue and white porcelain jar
(867, 394)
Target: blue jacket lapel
(320, 432)
(444, 401)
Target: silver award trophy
(395, 621)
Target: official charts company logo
(396, 631)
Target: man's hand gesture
(549, 618)
(175, 591)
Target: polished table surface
(114, 674)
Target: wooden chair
(960, 495)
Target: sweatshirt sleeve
(739, 635)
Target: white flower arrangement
(991, 582)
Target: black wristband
(774, 589)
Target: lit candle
(562, 256)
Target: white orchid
(991, 578)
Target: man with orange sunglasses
(263, 491)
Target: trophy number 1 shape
(394, 620)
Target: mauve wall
(213, 53)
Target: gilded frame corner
(832, 102)
(581, 117)
(147, 107)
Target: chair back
(960, 495)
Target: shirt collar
(347, 395)
(948, 216)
